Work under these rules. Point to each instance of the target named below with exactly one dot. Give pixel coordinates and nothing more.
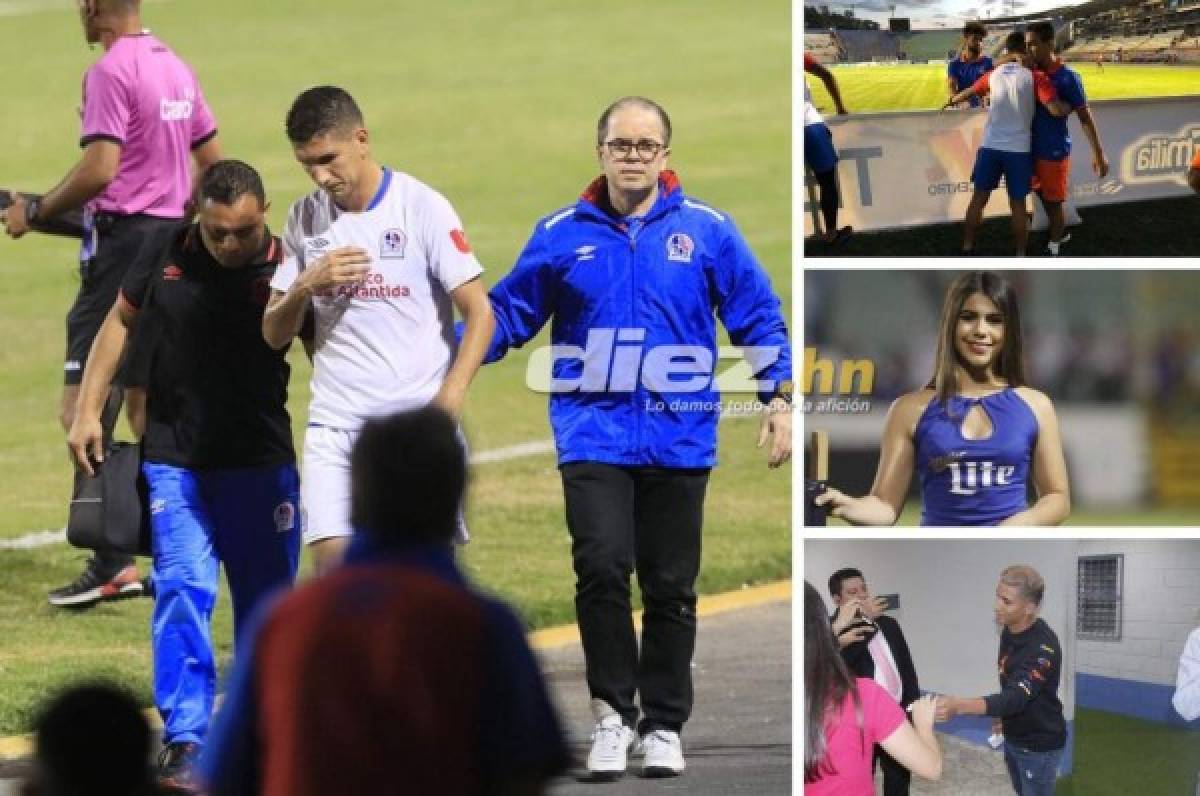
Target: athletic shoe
(94, 585)
(663, 754)
(611, 741)
(177, 767)
(1054, 247)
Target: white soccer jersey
(811, 114)
(384, 345)
(1010, 116)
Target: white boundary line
(35, 539)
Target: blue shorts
(819, 154)
(1016, 167)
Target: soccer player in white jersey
(384, 262)
(1007, 138)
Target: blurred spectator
(389, 675)
(92, 740)
(1186, 698)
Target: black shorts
(124, 242)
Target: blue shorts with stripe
(1015, 167)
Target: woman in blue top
(976, 433)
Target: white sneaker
(611, 741)
(664, 754)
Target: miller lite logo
(391, 244)
(680, 248)
(967, 478)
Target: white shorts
(325, 485)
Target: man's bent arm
(91, 175)
(285, 314)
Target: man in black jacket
(873, 646)
(1030, 662)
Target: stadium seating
(823, 46)
(928, 45)
(868, 45)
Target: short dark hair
(1014, 42)
(974, 27)
(408, 473)
(841, 576)
(1043, 30)
(226, 181)
(638, 102)
(321, 110)
(92, 739)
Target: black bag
(108, 511)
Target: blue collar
(383, 187)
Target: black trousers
(648, 520)
(124, 243)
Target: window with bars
(1098, 609)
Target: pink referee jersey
(143, 97)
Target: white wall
(947, 590)
(1161, 606)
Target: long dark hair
(1010, 365)
(826, 683)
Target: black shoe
(177, 766)
(94, 585)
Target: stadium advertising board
(912, 168)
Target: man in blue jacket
(632, 274)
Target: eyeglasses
(646, 149)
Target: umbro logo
(318, 243)
(172, 272)
(585, 253)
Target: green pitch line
(917, 87)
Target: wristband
(32, 208)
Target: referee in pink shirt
(144, 122)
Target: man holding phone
(873, 646)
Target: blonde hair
(1027, 580)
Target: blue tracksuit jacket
(634, 304)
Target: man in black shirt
(218, 456)
(1030, 662)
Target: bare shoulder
(908, 408)
(1038, 401)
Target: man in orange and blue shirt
(1051, 140)
(971, 64)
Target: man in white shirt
(1187, 683)
(384, 262)
(1006, 150)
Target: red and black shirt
(216, 392)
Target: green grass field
(1106, 228)
(494, 103)
(911, 87)
(1117, 755)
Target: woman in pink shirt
(846, 717)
